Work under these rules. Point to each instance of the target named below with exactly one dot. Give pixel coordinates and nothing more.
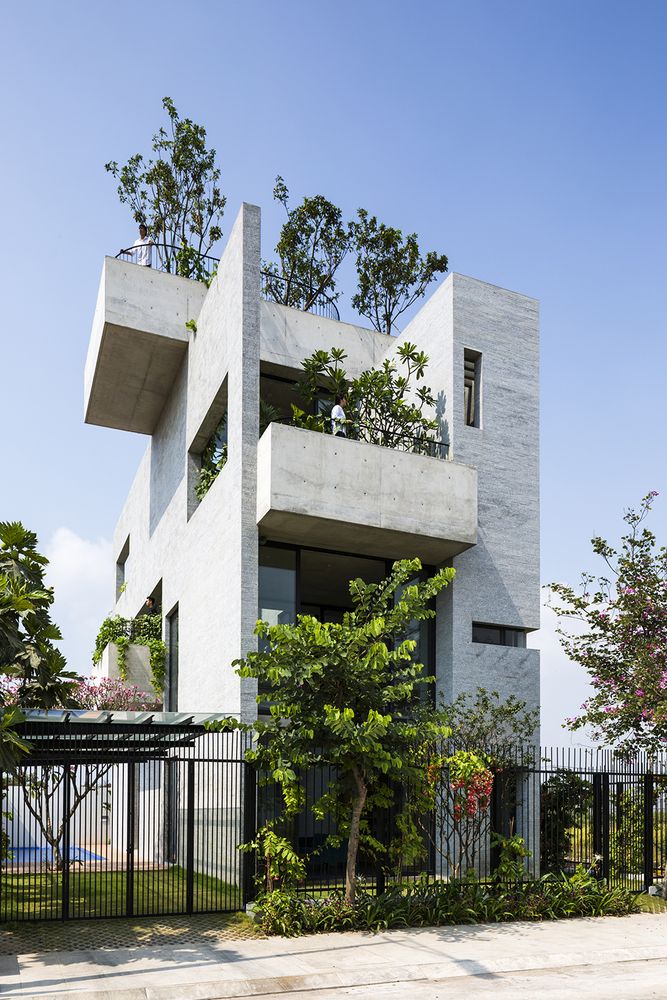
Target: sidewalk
(456, 958)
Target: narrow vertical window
(472, 379)
(121, 567)
(171, 686)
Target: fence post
(249, 863)
(129, 841)
(190, 841)
(64, 884)
(601, 820)
(648, 831)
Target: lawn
(38, 895)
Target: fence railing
(147, 824)
(185, 262)
(277, 288)
(398, 442)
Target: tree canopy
(615, 626)
(27, 634)
(347, 695)
(175, 193)
(312, 245)
(391, 271)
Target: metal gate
(148, 824)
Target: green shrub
(465, 901)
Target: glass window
(498, 635)
(277, 585)
(171, 693)
(472, 375)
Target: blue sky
(527, 140)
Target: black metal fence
(148, 821)
(184, 261)
(277, 288)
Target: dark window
(121, 568)
(472, 379)
(498, 635)
(171, 687)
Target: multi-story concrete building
(295, 514)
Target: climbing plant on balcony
(386, 405)
(144, 630)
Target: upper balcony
(137, 343)
(330, 492)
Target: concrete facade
(478, 510)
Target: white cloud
(564, 685)
(81, 574)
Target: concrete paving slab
(350, 961)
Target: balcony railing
(182, 261)
(398, 442)
(276, 288)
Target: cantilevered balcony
(329, 492)
(137, 343)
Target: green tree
(565, 803)
(313, 243)
(387, 405)
(175, 193)
(346, 695)
(27, 634)
(621, 637)
(391, 271)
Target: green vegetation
(623, 642)
(314, 240)
(346, 695)
(96, 894)
(436, 904)
(27, 635)
(144, 630)
(175, 193)
(387, 404)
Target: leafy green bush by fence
(465, 901)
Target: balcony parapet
(330, 492)
(137, 344)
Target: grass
(38, 895)
(651, 904)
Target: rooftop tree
(313, 243)
(176, 192)
(346, 695)
(392, 273)
(621, 637)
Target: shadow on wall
(167, 464)
(443, 423)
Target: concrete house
(295, 514)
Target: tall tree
(391, 271)
(346, 695)
(175, 193)
(313, 243)
(620, 637)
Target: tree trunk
(353, 839)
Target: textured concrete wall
(206, 562)
(327, 492)
(498, 580)
(289, 335)
(137, 666)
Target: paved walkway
(549, 960)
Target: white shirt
(338, 420)
(144, 251)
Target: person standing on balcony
(338, 421)
(143, 248)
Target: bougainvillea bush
(97, 694)
(620, 637)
